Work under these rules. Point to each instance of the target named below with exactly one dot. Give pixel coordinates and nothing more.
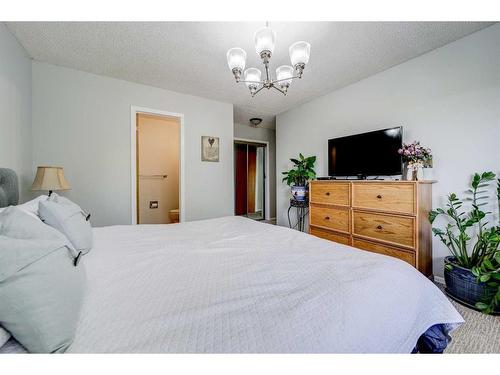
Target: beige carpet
(479, 334)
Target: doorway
(158, 150)
(250, 163)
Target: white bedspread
(234, 285)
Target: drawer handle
(327, 193)
(327, 217)
(379, 226)
(379, 196)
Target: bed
(233, 285)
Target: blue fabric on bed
(434, 340)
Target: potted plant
(472, 272)
(299, 176)
(416, 157)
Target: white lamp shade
(252, 74)
(283, 72)
(265, 40)
(299, 53)
(236, 58)
(50, 178)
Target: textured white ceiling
(190, 57)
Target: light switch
(153, 204)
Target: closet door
(251, 178)
(241, 181)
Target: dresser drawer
(406, 255)
(390, 197)
(330, 193)
(389, 228)
(329, 235)
(330, 217)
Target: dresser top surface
(376, 181)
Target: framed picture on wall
(209, 148)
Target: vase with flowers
(416, 157)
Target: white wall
(267, 135)
(15, 110)
(449, 99)
(81, 121)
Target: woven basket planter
(463, 286)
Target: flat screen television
(367, 154)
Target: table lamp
(50, 178)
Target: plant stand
(302, 208)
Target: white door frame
(268, 204)
(134, 110)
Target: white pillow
(31, 206)
(4, 336)
(69, 219)
(41, 283)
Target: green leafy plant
(482, 255)
(302, 172)
(488, 271)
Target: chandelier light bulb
(236, 58)
(252, 75)
(284, 75)
(265, 40)
(299, 53)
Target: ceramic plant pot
(299, 192)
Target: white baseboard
(439, 279)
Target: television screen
(369, 154)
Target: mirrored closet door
(249, 162)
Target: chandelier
(265, 40)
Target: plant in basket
(472, 272)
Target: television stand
(385, 217)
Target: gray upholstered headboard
(9, 188)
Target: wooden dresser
(386, 217)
